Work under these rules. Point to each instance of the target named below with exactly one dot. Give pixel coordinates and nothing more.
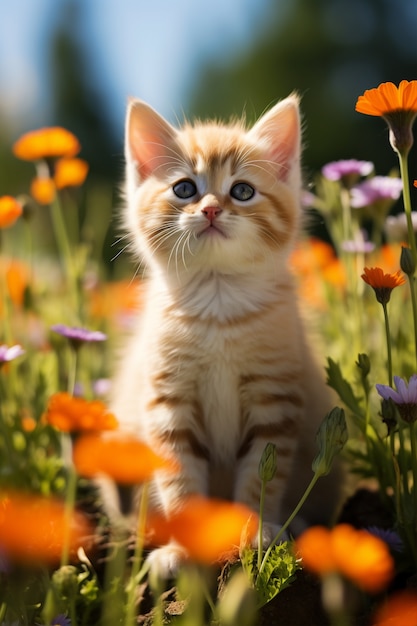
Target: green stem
(402, 457)
(289, 520)
(136, 572)
(413, 436)
(388, 340)
(65, 250)
(72, 374)
(411, 282)
(407, 204)
(333, 600)
(260, 527)
(70, 498)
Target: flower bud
(331, 438)
(65, 582)
(268, 463)
(407, 263)
(364, 364)
(389, 414)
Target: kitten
(219, 364)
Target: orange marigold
(43, 190)
(398, 106)
(70, 172)
(10, 210)
(17, 280)
(39, 144)
(71, 414)
(121, 456)
(210, 530)
(33, 528)
(387, 98)
(382, 283)
(399, 610)
(356, 554)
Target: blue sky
(150, 49)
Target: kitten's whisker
(117, 241)
(126, 247)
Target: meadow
(61, 318)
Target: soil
(300, 603)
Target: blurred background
(75, 62)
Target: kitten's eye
(185, 189)
(242, 192)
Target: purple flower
(347, 169)
(404, 397)
(78, 336)
(359, 246)
(375, 189)
(396, 225)
(59, 620)
(391, 538)
(102, 386)
(8, 354)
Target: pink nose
(211, 212)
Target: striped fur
(219, 365)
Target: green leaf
(278, 572)
(336, 381)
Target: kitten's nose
(211, 212)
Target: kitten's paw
(165, 562)
(269, 532)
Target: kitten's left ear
(279, 130)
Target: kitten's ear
(279, 131)
(149, 139)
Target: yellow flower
(10, 210)
(398, 106)
(70, 172)
(210, 530)
(122, 457)
(71, 414)
(356, 554)
(46, 142)
(43, 190)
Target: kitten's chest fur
(212, 343)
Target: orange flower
(32, 528)
(399, 610)
(398, 106)
(116, 300)
(17, 279)
(70, 172)
(46, 142)
(382, 283)
(122, 457)
(356, 554)
(10, 210)
(316, 264)
(387, 256)
(76, 414)
(387, 98)
(210, 530)
(28, 423)
(43, 190)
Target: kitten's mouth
(212, 231)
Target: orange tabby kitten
(219, 364)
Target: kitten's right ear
(149, 139)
